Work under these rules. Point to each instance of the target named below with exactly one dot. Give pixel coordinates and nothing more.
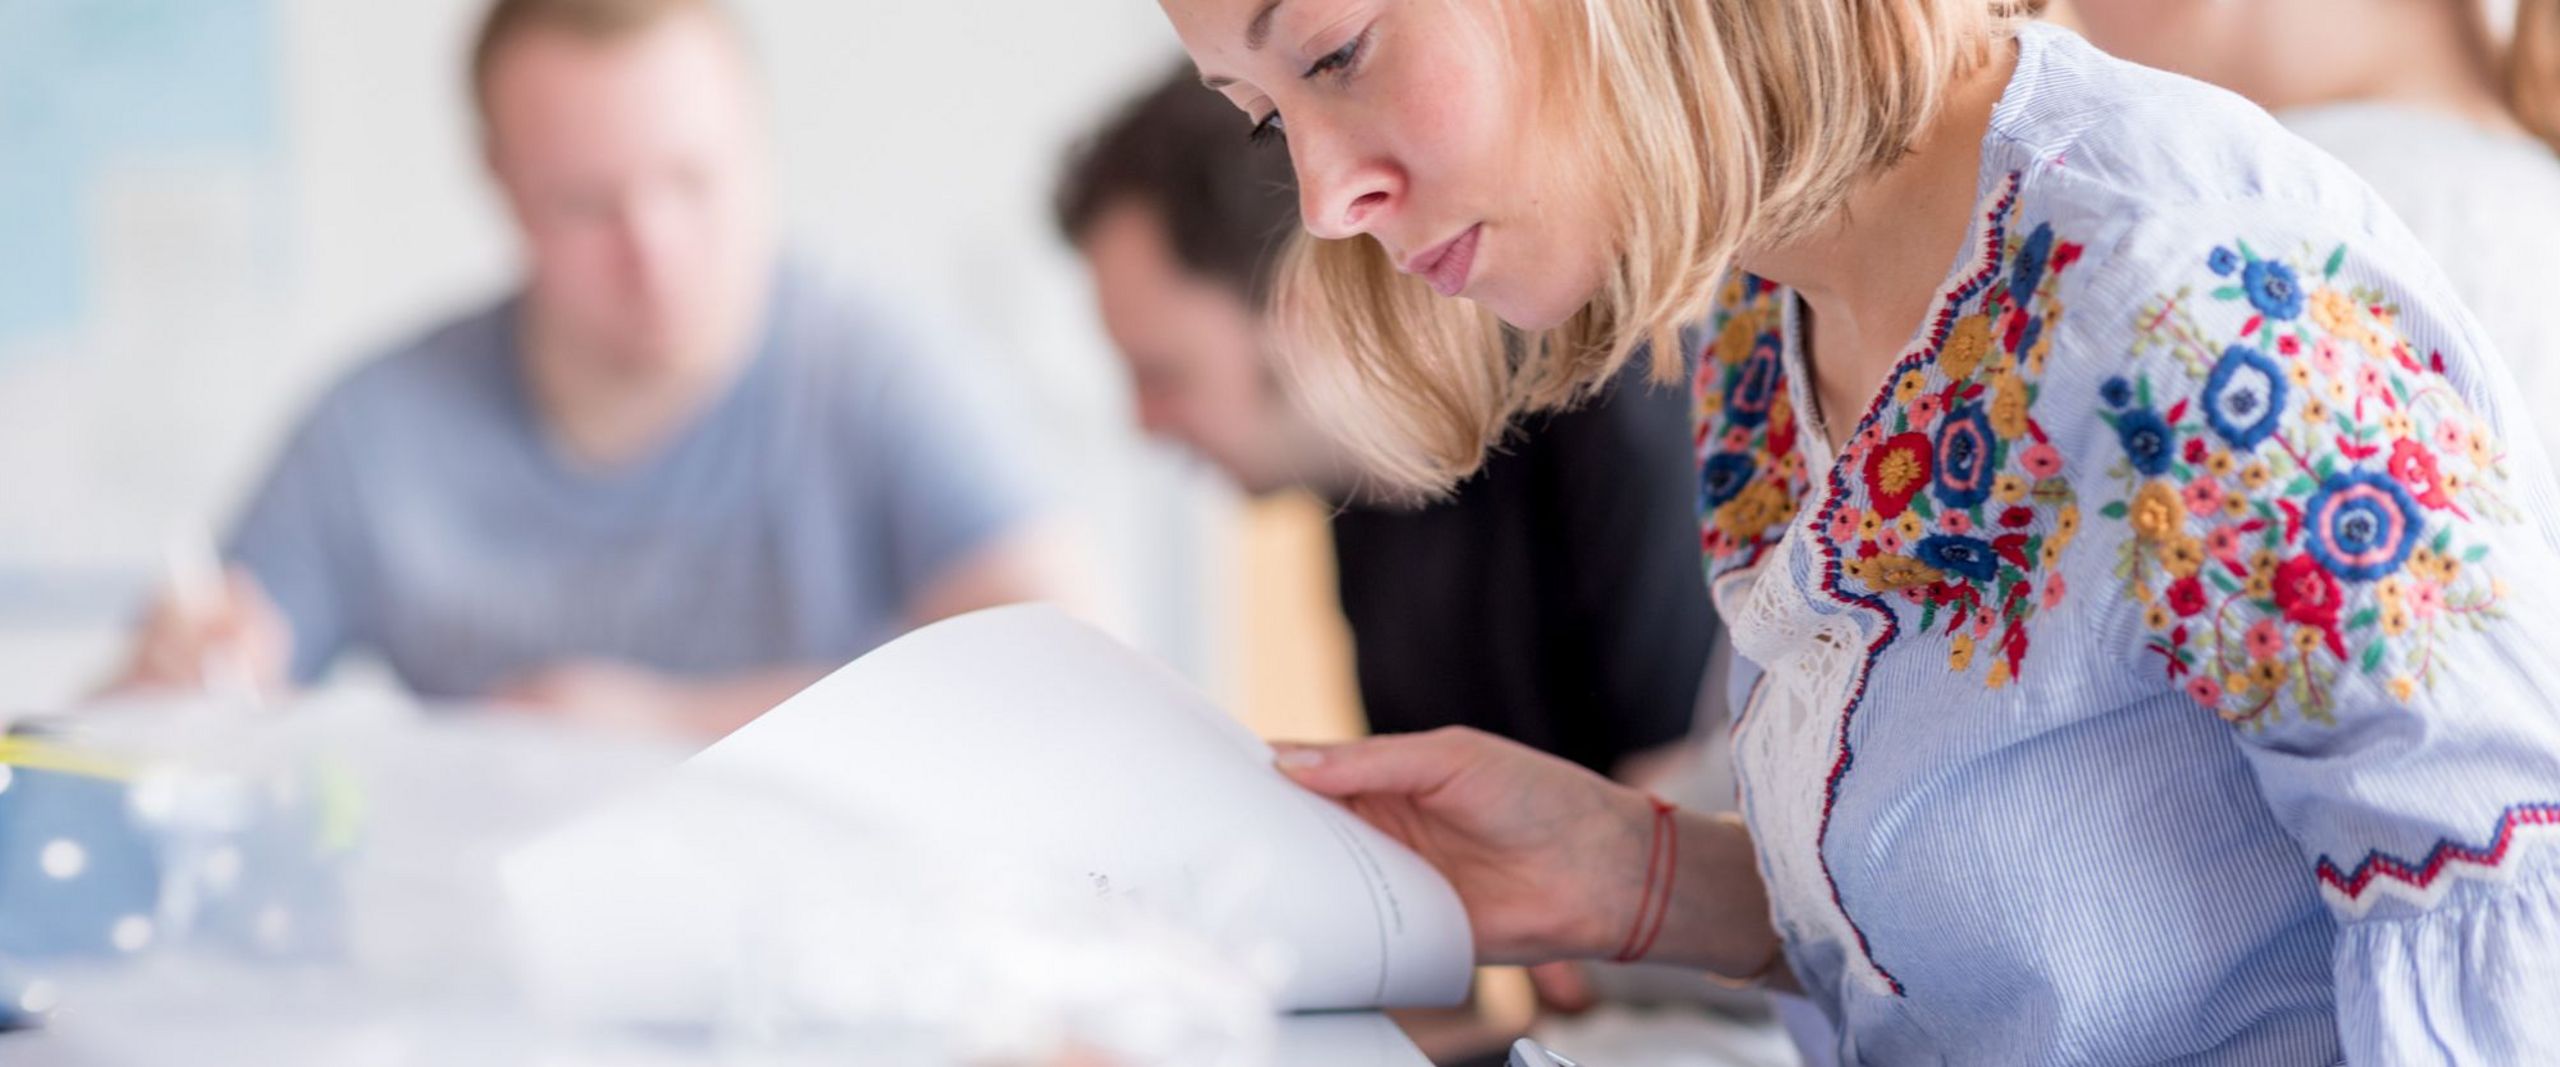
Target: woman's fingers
(1401, 764)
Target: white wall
(918, 139)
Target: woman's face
(1413, 123)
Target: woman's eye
(1268, 130)
(1340, 59)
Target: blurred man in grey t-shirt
(672, 480)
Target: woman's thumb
(1402, 764)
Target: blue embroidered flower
(1755, 389)
(2273, 289)
(1966, 556)
(2034, 332)
(2244, 398)
(2027, 271)
(1966, 463)
(1724, 476)
(2148, 441)
(2117, 392)
(2362, 525)
(2223, 261)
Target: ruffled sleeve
(2324, 539)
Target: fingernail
(1299, 759)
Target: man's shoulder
(456, 363)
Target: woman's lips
(1449, 266)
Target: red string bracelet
(1661, 861)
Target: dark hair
(1180, 150)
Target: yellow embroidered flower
(1960, 658)
(2255, 476)
(1911, 528)
(2268, 674)
(2183, 556)
(2235, 506)
(2299, 375)
(2309, 639)
(2009, 488)
(1999, 676)
(1732, 293)
(1746, 517)
(2009, 407)
(1909, 388)
(2484, 452)
(2396, 424)
(1741, 332)
(2390, 591)
(2238, 684)
(2220, 464)
(2259, 587)
(1966, 347)
(2422, 563)
(2403, 688)
(2454, 482)
(1870, 526)
(1710, 403)
(2315, 411)
(2333, 311)
(2066, 524)
(2052, 554)
(2339, 394)
(2158, 512)
(2043, 348)
(2158, 616)
(2395, 621)
(1888, 574)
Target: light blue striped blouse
(2166, 670)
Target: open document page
(1021, 737)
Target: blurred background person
(672, 480)
(2450, 108)
(1555, 599)
(1468, 611)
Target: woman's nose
(1343, 192)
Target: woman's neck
(1869, 278)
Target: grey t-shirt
(420, 512)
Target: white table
(1348, 1040)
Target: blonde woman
(2148, 594)
(2451, 108)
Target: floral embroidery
(2298, 510)
(1964, 510)
(1750, 476)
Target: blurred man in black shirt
(1556, 599)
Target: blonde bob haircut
(1731, 122)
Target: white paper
(1362, 1039)
(1020, 737)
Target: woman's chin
(1529, 316)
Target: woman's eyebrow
(1257, 33)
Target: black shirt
(1558, 599)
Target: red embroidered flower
(2226, 543)
(2043, 461)
(2203, 497)
(2196, 449)
(2306, 593)
(2017, 517)
(2187, 598)
(2204, 691)
(1898, 470)
(2413, 466)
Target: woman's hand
(1550, 859)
